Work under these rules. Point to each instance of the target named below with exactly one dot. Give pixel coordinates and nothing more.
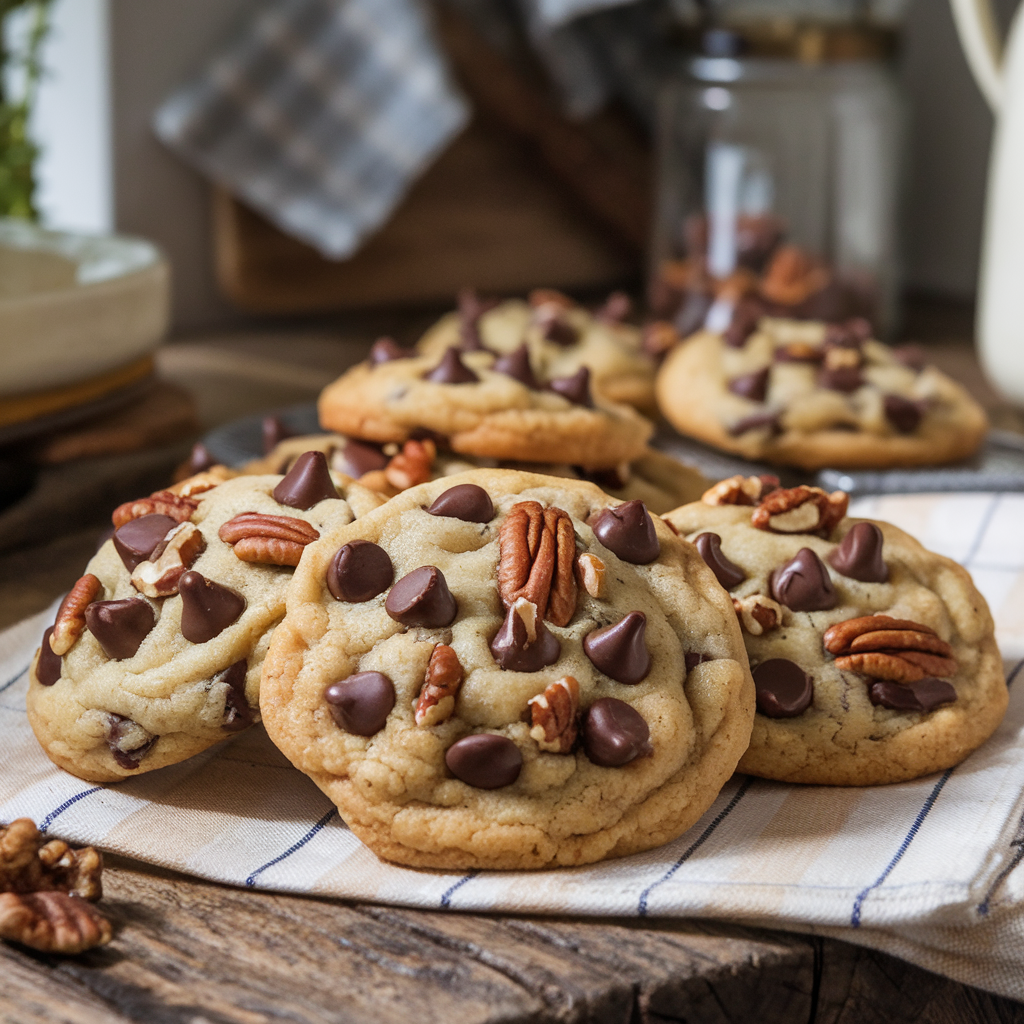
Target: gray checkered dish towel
(320, 116)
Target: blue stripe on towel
(446, 898)
(57, 812)
(11, 682)
(722, 815)
(251, 880)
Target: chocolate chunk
(451, 370)
(803, 584)
(207, 608)
(709, 545)
(359, 571)
(902, 413)
(517, 366)
(840, 378)
(628, 530)
(199, 459)
(860, 555)
(575, 388)
(119, 729)
(137, 539)
(386, 350)
(358, 457)
(120, 626)
(274, 432)
(755, 421)
(361, 703)
(924, 695)
(745, 318)
(615, 309)
(484, 760)
(48, 666)
(422, 598)
(620, 650)
(692, 660)
(307, 483)
(513, 650)
(238, 714)
(751, 385)
(560, 332)
(850, 334)
(468, 502)
(784, 689)
(614, 733)
(913, 357)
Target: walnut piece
(271, 540)
(554, 716)
(591, 571)
(52, 922)
(70, 621)
(801, 509)
(30, 863)
(758, 613)
(537, 555)
(441, 683)
(740, 490)
(883, 647)
(163, 503)
(158, 576)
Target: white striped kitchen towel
(924, 870)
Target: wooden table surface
(192, 952)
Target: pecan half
(52, 922)
(163, 503)
(740, 490)
(591, 572)
(158, 576)
(412, 465)
(30, 863)
(886, 648)
(441, 683)
(801, 510)
(554, 716)
(201, 482)
(879, 665)
(792, 277)
(272, 540)
(537, 554)
(70, 621)
(838, 638)
(757, 613)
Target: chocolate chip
(274, 432)
(307, 483)
(358, 457)
(745, 318)
(359, 571)
(386, 350)
(751, 385)
(614, 733)
(902, 413)
(784, 689)
(517, 366)
(48, 666)
(484, 760)
(575, 388)
(628, 531)
(913, 357)
(361, 703)
(468, 502)
(840, 378)
(560, 332)
(207, 608)
(709, 545)
(120, 626)
(620, 650)
(422, 598)
(692, 660)
(451, 370)
(200, 459)
(756, 421)
(471, 308)
(859, 556)
(803, 584)
(238, 714)
(137, 539)
(924, 695)
(513, 650)
(118, 728)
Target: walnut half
(52, 922)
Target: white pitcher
(1000, 76)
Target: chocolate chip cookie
(505, 670)
(814, 395)
(156, 652)
(874, 659)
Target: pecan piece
(886, 648)
(881, 666)
(801, 509)
(441, 683)
(163, 503)
(740, 490)
(412, 465)
(272, 540)
(70, 621)
(201, 482)
(158, 576)
(541, 297)
(792, 277)
(52, 922)
(537, 555)
(554, 716)
(28, 863)
(659, 336)
(758, 613)
(906, 638)
(838, 638)
(591, 571)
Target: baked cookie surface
(874, 659)
(814, 395)
(447, 676)
(156, 653)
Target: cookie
(658, 480)
(560, 336)
(156, 653)
(506, 670)
(874, 659)
(813, 395)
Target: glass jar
(778, 189)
